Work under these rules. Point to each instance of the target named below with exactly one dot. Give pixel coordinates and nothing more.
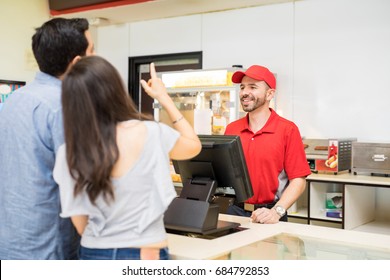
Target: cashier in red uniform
(273, 150)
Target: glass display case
(206, 98)
(286, 246)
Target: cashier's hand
(265, 216)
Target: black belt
(252, 207)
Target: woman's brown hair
(94, 100)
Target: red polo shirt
(274, 155)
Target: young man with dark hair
(31, 132)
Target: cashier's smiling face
(254, 94)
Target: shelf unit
(365, 208)
(360, 204)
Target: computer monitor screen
(221, 159)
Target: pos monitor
(220, 164)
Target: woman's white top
(142, 195)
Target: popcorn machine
(207, 99)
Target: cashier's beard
(250, 103)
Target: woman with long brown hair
(113, 170)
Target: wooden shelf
(360, 201)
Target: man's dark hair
(57, 42)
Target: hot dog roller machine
(329, 155)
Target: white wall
(111, 42)
(18, 20)
(172, 35)
(342, 67)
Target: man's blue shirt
(31, 131)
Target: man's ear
(270, 94)
(75, 59)
(73, 62)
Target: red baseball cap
(256, 72)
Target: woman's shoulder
(158, 126)
(160, 132)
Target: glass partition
(295, 247)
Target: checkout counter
(280, 241)
(253, 241)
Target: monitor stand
(193, 211)
(222, 226)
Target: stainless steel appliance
(371, 158)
